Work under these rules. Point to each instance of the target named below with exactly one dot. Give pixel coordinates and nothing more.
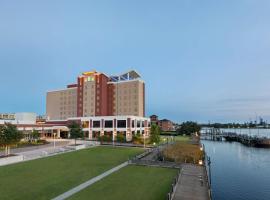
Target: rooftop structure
(131, 75)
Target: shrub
(105, 138)
(183, 153)
(137, 139)
(120, 138)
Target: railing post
(169, 196)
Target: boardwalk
(192, 184)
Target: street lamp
(144, 140)
(54, 140)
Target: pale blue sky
(201, 60)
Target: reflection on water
(239, 172)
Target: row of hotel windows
(66, 92)
(109, 124)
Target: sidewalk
(35, 152)
(89, 182)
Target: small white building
(19, 118)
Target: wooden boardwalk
(192, 184)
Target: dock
(192, 184)
(252, 141)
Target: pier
(218, 135)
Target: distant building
(7, 116)
(166, 125)
(154, 119)
(18, 118)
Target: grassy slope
(132, 183)
(49, 177)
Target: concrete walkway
(192, 184)
(88, 183)
(20, 150)
(42, 151)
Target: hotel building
(102, 104)
(96, 94)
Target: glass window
(96, 124)
(121, 123)
(138, 124)
(108, 124)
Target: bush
(42, 142)
(183, 153)
(137, 139)
(105, 138)
(120, 138)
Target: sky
(201, 60)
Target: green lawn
(178, 138)
(49, 177)
(132, 183)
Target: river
(239, 172)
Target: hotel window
(108, 124)
(133, 124)
(96, 124)
(121, 123)
(138, 124)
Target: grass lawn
(132, 183)
(178, 138)
(49, 177)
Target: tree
(35, 135)
(189, 128)
(155, 133)
(75, 131)
(9, 135)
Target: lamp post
(144, 140)
(53, 140)
(113, 138)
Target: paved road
(192, 184)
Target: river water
(239, 172)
